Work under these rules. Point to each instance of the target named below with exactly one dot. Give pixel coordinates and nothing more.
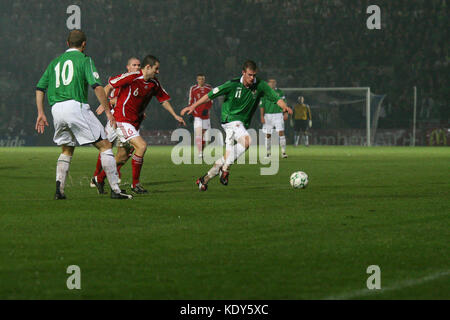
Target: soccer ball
(299, 180)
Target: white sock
(283, 143)
(306, 140)
(297, 137)
(235, 153)
(109, 165)
(62, 167)
(214, 171)
(268, 144)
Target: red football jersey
(195, 93)
(134, 96)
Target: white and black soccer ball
(299, 180)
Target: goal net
(340, 116)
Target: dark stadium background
(258, 238)
(301, 43)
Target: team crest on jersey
(96, 75)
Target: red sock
(101, 176)
(118, 169)
(136, 164)
(98, 168)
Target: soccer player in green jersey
(273, 117)
(66, 80)
(242, 96)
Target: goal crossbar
(328, 89)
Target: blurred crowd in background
(305, 43)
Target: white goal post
(363, 89)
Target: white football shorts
(125, 132)
(111, 135)
(75, 122)
(273, 120)
(233, 131)
(202, 123)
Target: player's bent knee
(103, 145)
(246, 141)
(140, 149)
(68, 150)
(140, 145)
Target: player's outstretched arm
(108, 88)
(184, 110)
(101, 96)
(282, 104)
(191, 108)
(41, 120)
(112, 102)
(286, 114)
(166, 105)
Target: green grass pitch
(256, 238)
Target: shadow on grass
(157, 183)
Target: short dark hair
(133, 58)
(76, 38)
(149, 60)
(249, 64)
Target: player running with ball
(242, 96)
(136, 91)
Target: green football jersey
(241, 102)
(269, 106)
(68, 76)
